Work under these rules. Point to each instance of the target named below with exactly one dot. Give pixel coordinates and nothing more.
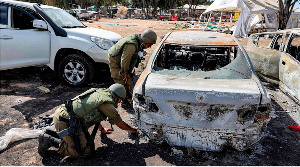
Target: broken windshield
(214, 62)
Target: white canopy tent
(198, 7)
(294, 21)
(246, 7)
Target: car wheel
(75, 70)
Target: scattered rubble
(44, 122)
(43, 89)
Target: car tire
(75, 70)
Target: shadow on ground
(279, 145)
(23, 82)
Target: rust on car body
(210, 39)
(279, 62)
(201, 93)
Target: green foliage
(162, 4)
(167, 4)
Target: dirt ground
(22, 105)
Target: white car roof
(25, 4)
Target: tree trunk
(285, 10)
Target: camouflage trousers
(67, 147)
(119, 78)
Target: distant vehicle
(33, 34)
(93, 14)
(226, 17)
(81, 14)
(279, 60)
(199, 90)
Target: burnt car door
(265, 53)
(289, 67)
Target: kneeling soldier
(72, 120)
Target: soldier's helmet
(118, 90)
(149, 36)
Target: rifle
(74, 127)
(76, 124)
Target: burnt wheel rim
(74, 72)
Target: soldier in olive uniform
(124, 56)
(93, 108)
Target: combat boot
(45, 142)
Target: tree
(285, 10)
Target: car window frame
(277, 36)
(243, 54)
(10, 7)
(25, 12)
(8, 19)
(289, 43)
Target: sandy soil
(21, 105)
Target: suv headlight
(102, 43)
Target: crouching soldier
(72, 120)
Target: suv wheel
(75, 70)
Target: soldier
(125, 55)
(73, 119)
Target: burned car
(276, 58)
(199, 90)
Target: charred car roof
(201, 38)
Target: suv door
(289, 68)
(20, 43)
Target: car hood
(237, 92)
(89, 31)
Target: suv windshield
(63, 18)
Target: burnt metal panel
(192, 110)
(290, 76)
(201, 38)
(275, 65)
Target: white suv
(33, 34)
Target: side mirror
(40, 24)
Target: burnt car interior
(293, 47)
(194, 58)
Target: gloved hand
(294, 128)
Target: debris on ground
(178, 153)
(17, 134)
(43, 89)
(44, 122)
(120, 25)
(173, 28)
(122, 12)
